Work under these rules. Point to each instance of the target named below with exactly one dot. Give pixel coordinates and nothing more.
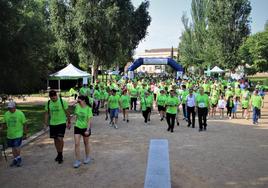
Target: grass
(34, 115)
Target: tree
(228, 25)
(254, 52)
(24, 48)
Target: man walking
(57, 118)
(14, 121)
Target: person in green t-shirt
(160, 100)
(145, 102)
(125, 104)
(133, 92)
(113, 105)
(97, 100)
(14, 121)
(256, 104)
(171, 104)
(57, 117)
(203, 106)
(184, 94)
(82, 117)
(245, 99)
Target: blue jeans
(256, 114)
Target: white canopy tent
(216, 69)
(69, 73)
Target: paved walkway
(232, 153)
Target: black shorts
(57, 130)
(161, 108)
(214, 105)
(126, 108)
(81, 131)
(149, 109)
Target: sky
(166, 26)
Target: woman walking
(82, 128)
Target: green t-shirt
(206, 87)
(134, 93)
(125, 101)
(161, 99)
(184, 95)
(14, 122)
(202, 101)
(97, 95)
(237, 91)
(83, 115)
(56, 112)
(102, 94)
(149, 101)
(172, 104)
(113, 101)
(83, 91)
(256, 101)
(143, 104)
(228, 93)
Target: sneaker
(124, 119)
(178, 124)
(87, 160)
(57, 158)
(60, 160)
(106, 118)
(13, 163)
(19, 162)
(127, 120)
(230, 117)
(205, 128)
(161, 119)
(111, 124)
(200, 130)
(145, 123)
(115, 126)
(77, 164)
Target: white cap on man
(11, 104)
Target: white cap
(11, 104)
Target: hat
(11, 104)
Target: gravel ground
(231, 153)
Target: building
(160, 52)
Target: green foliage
(254, 52)
(218, 30)
(24, 45)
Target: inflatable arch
(154, 61)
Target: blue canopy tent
(155, 61)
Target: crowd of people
(201, 97)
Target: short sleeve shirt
(83, 115)
(57, 112)
(14, 122)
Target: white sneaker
(87, 160)
(145, 124)
(77, 164)
(115, 126)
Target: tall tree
(228, 25)
(24, 48)
(254, 52)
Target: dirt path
(232, 153)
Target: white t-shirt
(221, 103)
(190, 101)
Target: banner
(155, 61)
